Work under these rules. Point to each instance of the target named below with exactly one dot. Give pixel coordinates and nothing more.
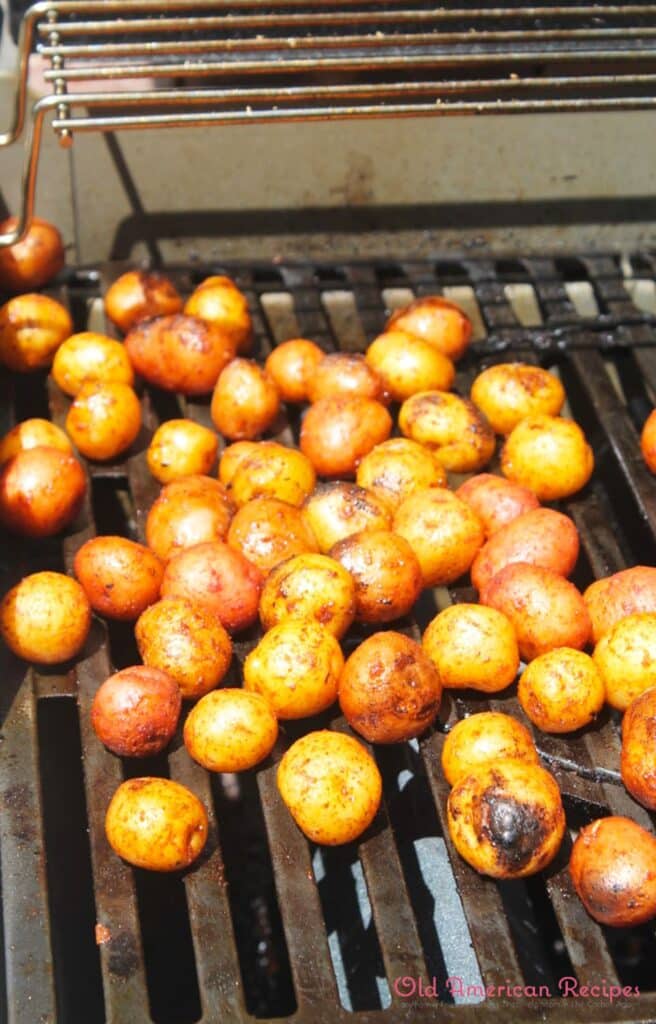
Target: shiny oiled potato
(540, 537)
(508, 392)
(338, 432)
(438, 321)
(120, 578)
(33, 433)
(626, 658)
(442, 531)
(268, 531)
(613, 868)
(34, 260)
(452, 427)
(648, 441)
(407, 365)
(496, 501)
(398, 467)
(45, 618)
(549, 455)
(561, 690)
(135, 712)
(219, 301)
(619, 595)
(104, 420)
(296, 667)
(338, 510)
(90, 357)
(389, 690)
(387, 574)
(230, 730)
(638, 762)
(232, 456)
(140, 295)
(218, 577)
(331, 786)
(291, 364)
(156, 824)
(32, 327)
(506, 818)
(245, 401)
(344, 374)
(472, 647)
(309, 586)
(41, 491)
(271, 470)
(188, 511)
(482, 738)
(179, 353)
(181, 448)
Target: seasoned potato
(140, 295)
(472, 647)
(546, 610)
(179, 353)
(268, 531)
(296, 667)
(338, 510)
(613, 868)
(181, 448)
(104, 420)
(219, 301)
(232, 456)
(184, 639)
(309, 586)
(271, 470)
(338, 432)
(508, 392)
(482, 738)
(291, 365)
(626, 658)
(398, 467)
(638, 754)
(506, 818)
(119, 577)
(496, 501)
(219, 577)
(540, 537)
(440, 322)
(561, 690)
(90, 357)
(245, 401)
(389, 690)
(387, 574)
(188, 511)
(230, 731)
(615, 597)
(32, 327)
(331, 786)
(442, 531)
(648, 441)
(33, 433)
(452, 427)
(344, 375)
(548, 455)
(41, 491)
(156, 824)
(135, 712)
(34, 260)
(407, 365)
(45, 618)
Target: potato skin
(561, 690)
(482, 738)
(508, 392)
(230, 730)
(613, 868)
(89, 357)
(231, 458)
(140, 295)
(472, 647)
(34, 260)
(32, 327)
(45, 618)
(438, 321)
(33, 433)
(626, 658)
(638, 761)
(181, 448)
(179, 353)
(331, 786)
(396, 468)
(387, 574)
(648, 441)
(291, 364)
(389, 690)
(338, 510)
(267, 531)
(119, 577)
(135, 712)
(549, 455)
(613, 598)
(309, 586)
(407, 365)
(496, 501)
(41, 491)
(541, 537)
(442, 531)
(219, 302)
(188, 511)
(271, 470)
(156, 824)
(218, 577)
(104, 420)
(450, 426)
(344, 374)
(245, 401)
(338, 432)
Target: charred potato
(638, 761)
(45, 618)
(482, 738)
(442, 531)
(407, 365)
(219, 301)
(268, 531)
(230, 731)
(309, 586)
(140, 295)
(344, 375)
(104, 420)
(32, 327)
(548, 455)
(135, 712)
(450, 426)
(561, 691)
(626, 658)
(440, 322)
(33, 433)
(509, 392)
(245, 401)
(472, 647)
(615, 597)
(41, 491)
(179, 353)
(188, 511)
(398, 467)
(217, 576)
(181, 448)
(613, 868)
(338, 432)
(90, 358)
(119, 577)
(291, 365)
(338, 510)
(35, 259)
(542, 537)
(387, 574)
(496, 501)
(271, 470)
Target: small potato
(188, 511)
(296, 667)
(135, 712)
(506, 818)
(450, 426)
(561, 691)
(546, 610)
(34, 260)
(156, 824)
(338, 510)
(291, 366)
(309, 586)
(388, 578)
(33, 433)
(398, 467)
(472, 647)
(338, 432)
(344, 375)
(508, 392)
(219, 302)
(218, 577)
(331, 786)
(179, 353)
(613, 868)
(32, 327)
(548, 455)
(245, 402)
(181, 448)
(232, 456)
(41, 491)
(407, 365)
(442, 531)
(119, 577)
(648, 441)
(140, 295)
(104, 420)
(496, 501)
(626, 658)
(90, 358)
(389, 690)
(619, 595)
(230, 731)
(271, 470)
(541, 537)
(268, 531)
(482, 738)
(440, 322)
(45, 618)
(638, 761)
(185, 640)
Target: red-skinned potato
(338, 510)
(245, 401)
(438, 321)
(179, 353)
(450, 426)
(549, 455)
(219, 577)
(613, 868)
(398, 467)
(387, 575)
(638, 762)
(104, 420)
(472, 647)
(508, 392)
(626, 658)
(90, 357)
(442, 531)
(41, 491)
(181, 448)
(45, 618)
(230, 730)
(407, 364)
(268, 531)
(33, 433)
(291, 365)
(35, 259)
(32, 327)
(482, 738)
(338, 432)
(120, 578)
(188, 511)
(140, 295)
(624, 593)
(344, 374)
(309, 586)
(542, 537)
(495, 500)
(219, 302)
(135, 712)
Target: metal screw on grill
(60, 87)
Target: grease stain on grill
(123, 957)
(16, 801)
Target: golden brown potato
(104, 420)
(33, 433)
(135, 712)
(309, 586)
(389, 690)
(546, 610)
(90, 357)
(218, 577)
(338, 432)
(120, 578)
(45, 618)
(41, 491)
(331, 786)
(548, 455)
(245, 402)
(181, 448)
(482, 738)
(156, 824)
(219, 301)
(561, 690)
(188, 511)
(179, 353)
(472, 647)
(231, 457)
(291, 365)
(271, 470)
(619, 595)
(407, 365)
(506, 818)
(184, 639)
(626, 658)
(32, 327)
(398, 467)
(540, 537)
(268, 531)
(344, 375)
(34, 260)
(442, 531)
(508, 392)
(648, 441)
(388, 578)
(638, 761)
(452, 427)
(296, 667)
(440, 322)
(230, 731)
(140, 295)
(613, 868)
(338, 510)
(496, 501)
